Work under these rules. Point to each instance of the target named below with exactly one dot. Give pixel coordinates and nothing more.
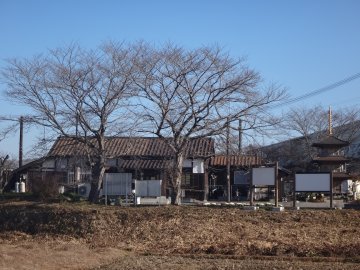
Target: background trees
(173, 92)
(76, 93)
(308, 125)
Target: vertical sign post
(331, 190)
(294, 193)
(106, 190)
(276, 185)
(251, 188)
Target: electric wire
(318, 91)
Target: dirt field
(209, 262)
(68, 236)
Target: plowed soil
(80, 236)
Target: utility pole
(228, 160)
(21, 120)
(240, 136)
(277, 184)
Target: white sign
(187, 163)
(263, 176)
(148, 188)
(117, 184)
(311, 182)
(198, 166)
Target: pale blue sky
(301, 45)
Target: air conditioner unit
(84, 189)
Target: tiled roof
(330, 141)
(330, 159)
(143, 164)
(134, 146)
(341, 175)
(236, 160)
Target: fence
(239, 193)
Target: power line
(318, 91)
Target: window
(186, 179)
(192, 180)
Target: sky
(300, 45)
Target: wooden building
(240, 166)
(146, 158)
(331, 158)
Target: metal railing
(84, 178)
(238, 193)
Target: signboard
(118, 184)
(263, 176)
(148, 188)
(187, 163)
(198, 166)
(312, 182)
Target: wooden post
(251, 189)
(228, 161)
(276, 185)
(106, 191)
(294, 192)
(206, 180)
(331, 190)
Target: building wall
(193, 183)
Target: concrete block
(278, 209)
(251, 208)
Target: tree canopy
(172, 92)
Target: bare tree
(313, 123)
(310, 125)
(10, 129)
(76, 93)
(307, 122)
(3, 161)
(187, 94)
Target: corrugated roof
(134, 146)
(236, 160)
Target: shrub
(44, 187)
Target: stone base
(251, 208)
(278, 209)
(352, 206)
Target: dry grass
(105, 233)
(165, 262)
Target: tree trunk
(176, 179)
(98, 173)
